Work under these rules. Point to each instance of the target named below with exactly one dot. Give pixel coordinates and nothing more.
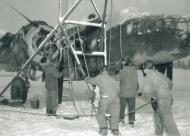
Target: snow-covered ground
(23, 124)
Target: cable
(110, 34)
(80, 40)
(120, 40)
(71, 115)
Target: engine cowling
(33, 36)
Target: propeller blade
(21, 14)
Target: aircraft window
(171, 23)
(183, 26)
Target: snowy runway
(18, 124)
(21, 124)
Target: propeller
(21, 14)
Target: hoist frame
(102, 25)
(63, 20)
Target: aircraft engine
(33, 34)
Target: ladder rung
(67, 90)
(67, 86)
(67, 93)
(66, 79)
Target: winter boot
(131, 124)
(117, 135)
(115, 132)
(103, 131)
(51, 112)
(122, 122)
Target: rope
(71, 115)
(68, 60)
(140, 107)
(60, 55)
(110, 34)
(60, 10)
(71, 84)
(41, 114)
(80, 40)
(81, 43)
(67, 40)
(120, 40)
(76, 76)
(102, 36)
(6, 75)
(25, 112)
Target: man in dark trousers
(158, 87)
(57, 57)
(128, 79)
(108, 103)
(51, 84)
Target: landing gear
(60, 89)
(19, 89)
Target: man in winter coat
(158, 87)
(56, 56)
(51, 84)
(108, 103)
(128, 91)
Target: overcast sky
(47, 10)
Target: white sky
(48, 9)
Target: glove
(86, 78)
(154, 104)
(139, 94)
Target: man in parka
(158, 87)
(51, 75)
(128, 79)
(56, 56)
(108, 103)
